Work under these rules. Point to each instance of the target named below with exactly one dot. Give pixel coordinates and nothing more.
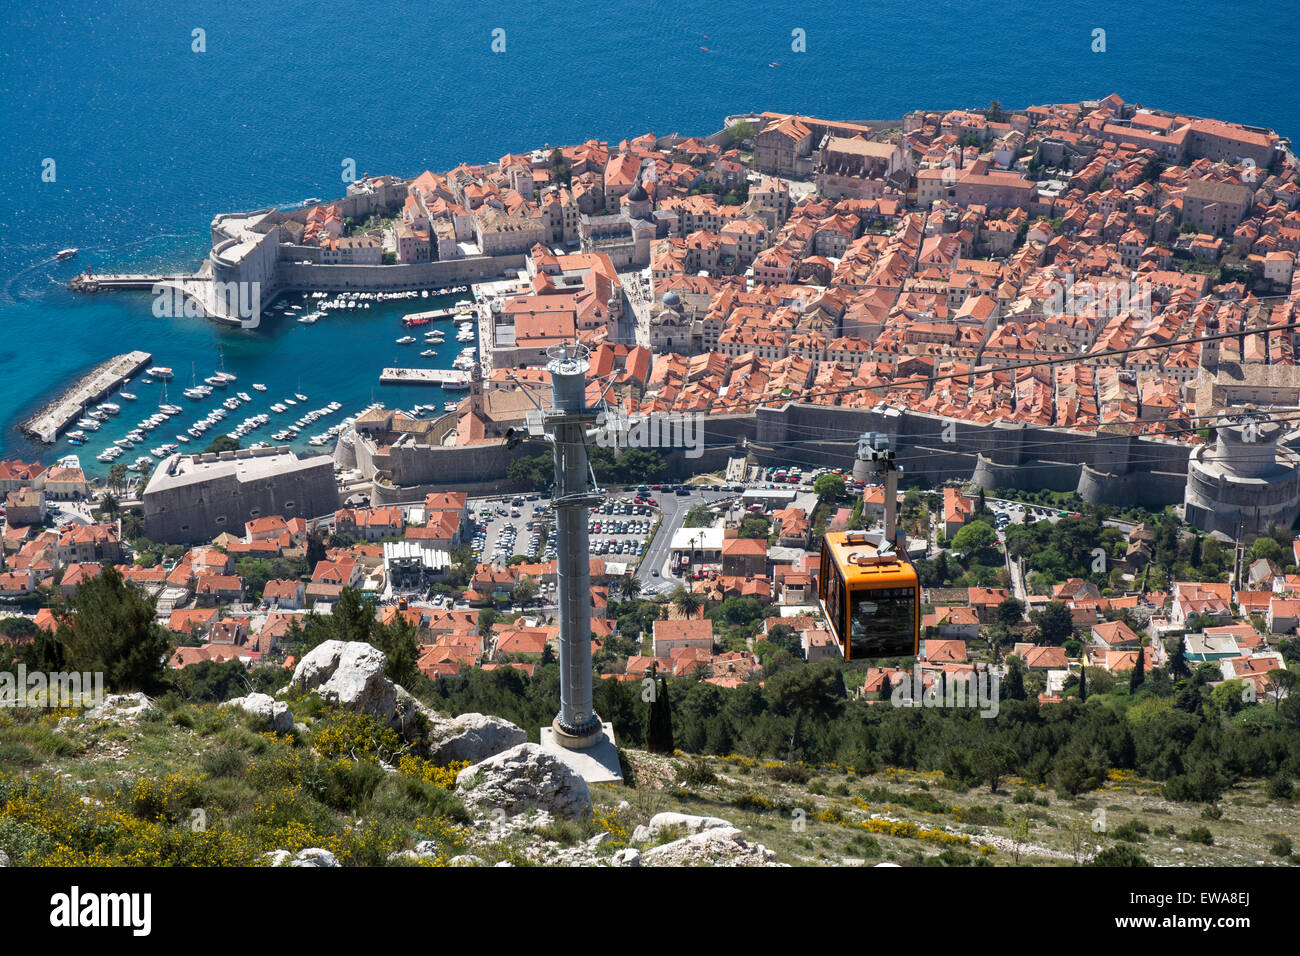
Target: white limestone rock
(120, 706)
(471, 737)
(626, 857)
(671, 821)
(263, 706)
(523, 778)
(716, 846)
(314, 856)
(351, 674)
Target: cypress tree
(1083, 683)
(886, 691)
(1013, 685)
(666, 709)
(1139, 675)
(659, 727)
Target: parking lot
(1016, 512)
(618, 530)
(502, 527)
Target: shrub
(169, 799)
(409, 798)
(1200, 835)
(951, 857)
(866, 845)
(787, 772)
(345, 784)
(1280, 847)
(355, 735)
(1280, 787)
(751, 801)
(1131, 831)
(1119, 855)
(417, 767)
(225, 761)
(696, 773)
(22, 841)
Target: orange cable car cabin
(872, 600)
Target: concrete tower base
(595, 760)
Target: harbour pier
(443, 377)
(95, 385)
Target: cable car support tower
(577, 735)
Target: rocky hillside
(343, 767)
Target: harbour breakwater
(95, 385)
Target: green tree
(1121, 854)
(786, 638)
(1011, 612)
(991, 761)
(806, 695)
(659, 729)
(974, 537)
(525, 589)
(1139, 673)
(687, 601)
(400, 642)
(108, 627)
(222, 443)
(117, 474)
(629, 586)
(699, 516)
(829, 488)
(1055, 623)
(1013, 685)
(1265, 547)
(740, 132)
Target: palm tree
(687, 602)
(117, 477)
(629, 587)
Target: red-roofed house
(1114, 635)
(953, 621)
(285, 593)
(744, 557)
(944, 652)
(671, 635)
(218, 588)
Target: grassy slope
(142, 779)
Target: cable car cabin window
(833, 583)
(882, 622)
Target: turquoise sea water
(151, 139)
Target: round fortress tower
(1246, 481)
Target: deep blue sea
(151, 139)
